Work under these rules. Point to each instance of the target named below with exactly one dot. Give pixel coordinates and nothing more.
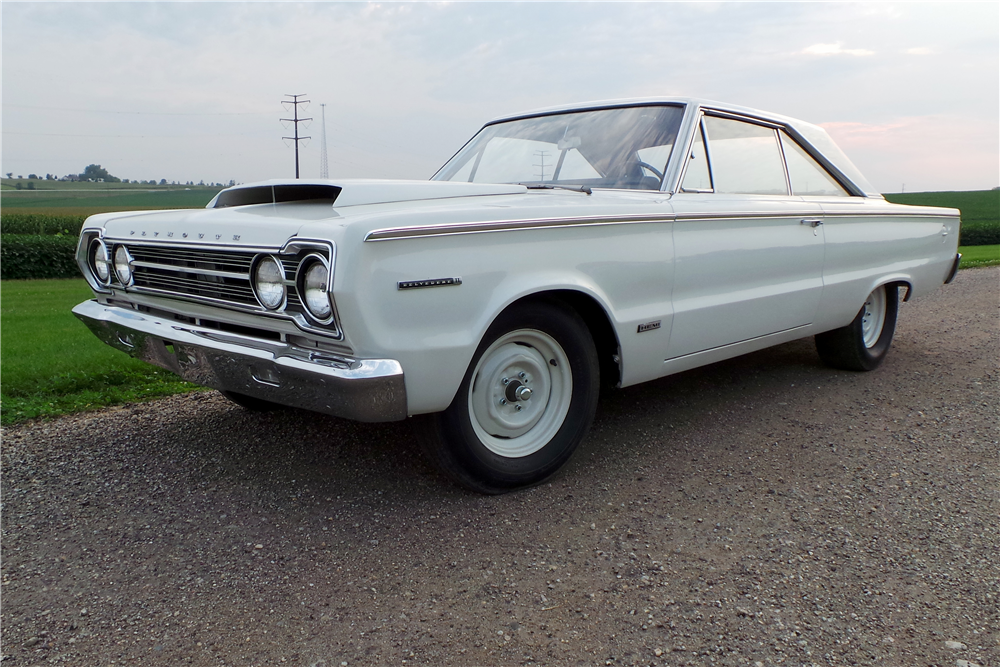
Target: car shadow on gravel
(272, 453)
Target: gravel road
(761, 511)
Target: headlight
(99, 263)
(123, 265)
(269, 283)
(314, 287)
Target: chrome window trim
(700, 126)
(784, 162)
(837, 175)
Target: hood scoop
(277, 194)
(355, 192)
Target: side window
(806, 175)
(746, 158)
(697, 178)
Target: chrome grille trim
(220, 276)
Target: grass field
(52, 364)
(980, 255)
(90, 201)
(976, 206)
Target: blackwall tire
(525, 404)
(863, 344)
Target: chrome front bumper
(369, 390)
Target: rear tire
(863, 344)
(526, 402)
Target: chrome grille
(219, 275)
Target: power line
(142, 113)
(295, 120)
(134, 136)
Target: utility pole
(324, 168)
(541, 155)
(295, 120)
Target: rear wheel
(863, 344)
(526, 402)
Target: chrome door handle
(812, 222)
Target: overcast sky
(192, 91)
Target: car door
(748, 254)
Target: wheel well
(597, 321)
(905, 285)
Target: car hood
(263, 224)
(359, 191)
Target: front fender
(434, 330)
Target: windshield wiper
(540, 186)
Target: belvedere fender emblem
(435, 282)
(648, 326)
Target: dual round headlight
(269, 283)
(123, 265)
(100, 263)
(312, 283)
(314, 288)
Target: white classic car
(559, 250)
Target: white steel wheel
(873, 317)
(520, 393)
(526, 402)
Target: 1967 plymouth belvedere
(559, 250)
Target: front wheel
(526, 402)
(863, 344)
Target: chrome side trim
(397, 233)
(861, 214)
(739, 342)
(361, 389)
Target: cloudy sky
(192, 91)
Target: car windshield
(606, 148)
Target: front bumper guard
(368, 390)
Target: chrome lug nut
(503, 401)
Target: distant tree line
(95, 173)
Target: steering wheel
(646, 165)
